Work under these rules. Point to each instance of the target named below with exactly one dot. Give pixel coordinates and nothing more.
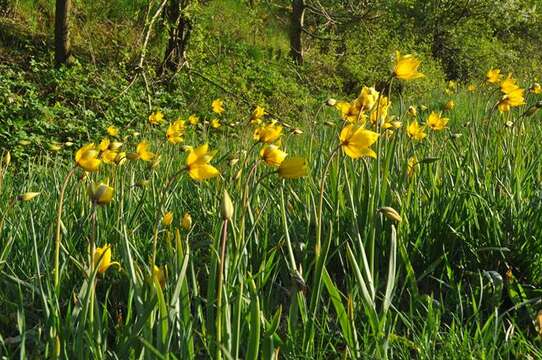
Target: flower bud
(331, 102)
(7, 159)
(227, 206)
(100, 194)
(186, 222)
(167, 219)
(390, 213)
(27, 196)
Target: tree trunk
(62, 32)
(179, 34)
(296, 30)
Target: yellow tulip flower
(186, 222)
(87, 158)
(197, 163)
(100, 193)
(159, 275)
(156, 118)
(218, 106)
(113, 131)
(175, 132)
(493, 76)
(356, 141)
(215, 123)
(536, 88)
(268, 133)
(415, 131)
(257, 114)
(193, 120)
(102, 258)
(436, 122)
(471, 88)
(142, 152)
(293, 168)
(412, 111)
(367, 98)
(272, 155)
(406, 67)
(167, 219)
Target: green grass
(457, 278)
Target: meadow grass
(311, 268)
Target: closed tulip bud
(167, 219)
(227, 206)
(68, 143)
(159, 275)
(331, 102)
(390, 213)
(186, 222)
(509, 124)
(100, 194)
(27, 196)
(7, 159)
(55, 147)
(132, 156)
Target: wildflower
(142, 152)
(390, 213)
(367, 98)
(257, 114)
(381, 110)
(227, 206)
(186, 222)
(100, 193)
(349, 111)
(356, 141)
(493, 76)
(449, 105)
(412, 111)
(197, 163)
(113, 131)
(396, 124)
(167, 219)
(536, 88)
(175, 132)
(293, 168)
(102, 258)
(512, 99)
(215, 123)
(156, 118)
(6, 159)
(108, 156)
(471, 88)
(159, 275)
(436, 121)
(509, 84)
(87, 158)
(27, 196)
(406, 67)
(268, 133)
(218, 106)
(104, 144)
(272, 155)
(193, 120)
(415, 131)
(452, 85)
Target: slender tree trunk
(62, 32)
(296, 30)
(179, 34)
